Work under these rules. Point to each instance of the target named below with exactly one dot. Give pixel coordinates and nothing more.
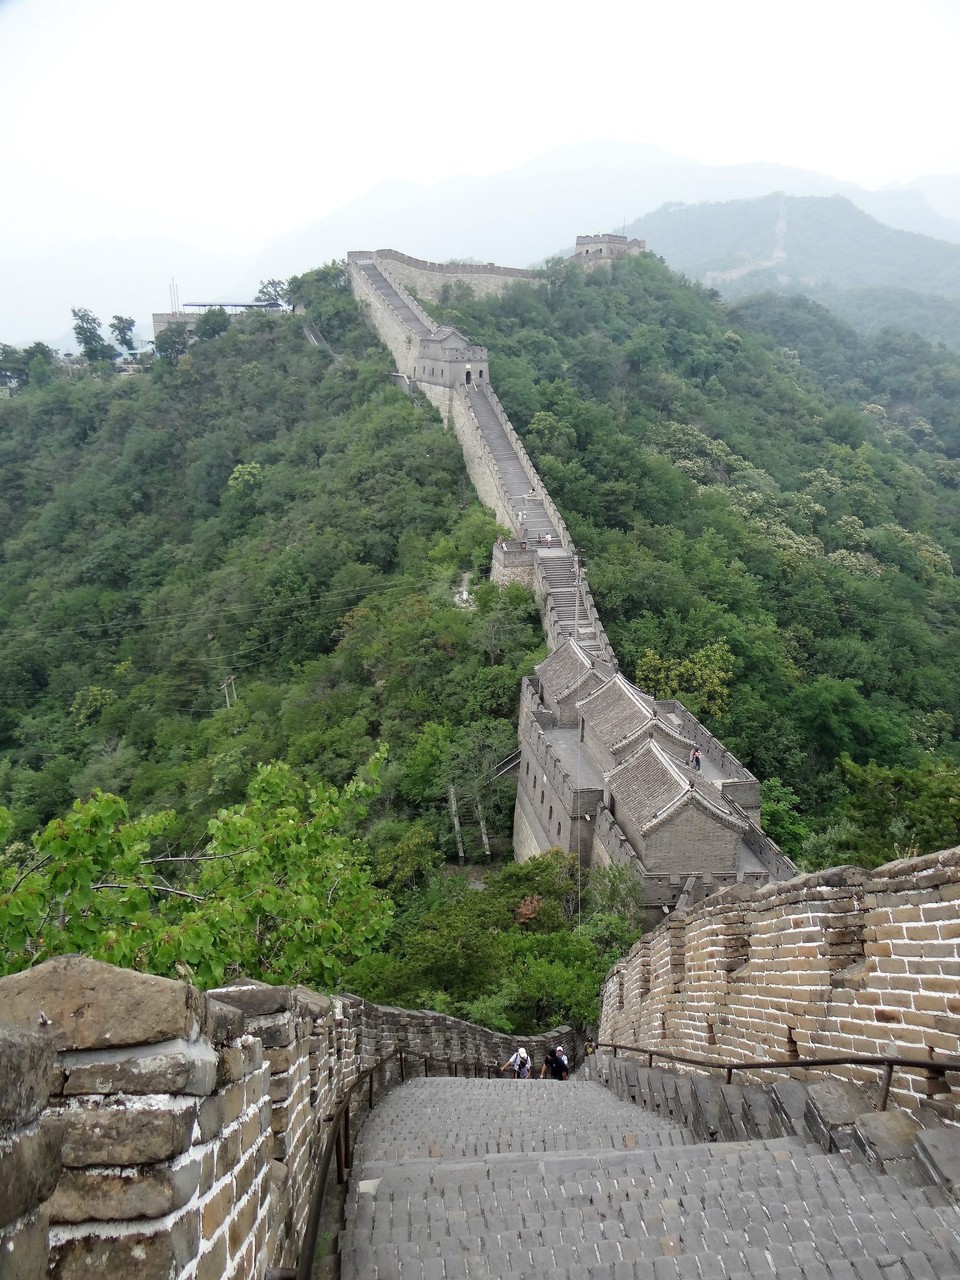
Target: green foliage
(892, 812)
(272, 291)
(524, 950)
(87, 331)
(265, 511)
(701, 681)
(171, 343)
(279, 888)
(122, 328)
(211, 324)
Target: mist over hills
(517, 217)
(874, 276)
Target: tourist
(519, 1064)
(555, 1065)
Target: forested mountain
(773, 540)
(266, 523)
(769, 507)
(824, 247)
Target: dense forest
(769, 508)
(241, 678)
(252, 552)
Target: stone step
(435, 1195)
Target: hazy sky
(224, 122)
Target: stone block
(24, 1251)
(27, 1076)
(216, 1210)
(231, 1066)
(252, 1055)
(885, 1136)
(832, 1110)
(227, 1153)
(312, 1002)
(174, 1067)
(29, 1169)
(76, 1003)
(938, 1151)
(225, 1022)
(232, 1101)
(273, 1030)
(104, 1195)
(141, 1254)
(213, 1263)
(240, 1228)
(254, 998)
(121, 1131)
(210, 1118)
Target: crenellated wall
(149, 1129)
(428, 278)
(843, 961)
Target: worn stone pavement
(472, 1179)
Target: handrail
(338, 1140)
(889, 1062)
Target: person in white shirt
(519, 1064)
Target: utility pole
(227, 688)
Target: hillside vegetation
(768, 504)
(263, 510)
(871, 275)
(773, 540)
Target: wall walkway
(151, 1130)
(497, 462)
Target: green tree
(701, 681)
(86, 329)
(211, 324)
(171, 343)
(122, 329)
(780, 818)
(272, 291)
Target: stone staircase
(515, 480)
(393, 299)
(474, 1179)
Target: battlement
(844, 961)
(150, 1129)
(593, 251)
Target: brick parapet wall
(845, 961)
(428, 278)
(173, 1133)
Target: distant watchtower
(448, 358)
(594, 251)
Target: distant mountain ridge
(516, 217)
(826, 247)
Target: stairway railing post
(885, 1086)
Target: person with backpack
(519, 1064)
(555, 1064)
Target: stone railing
(150, 1129)
(845, 961)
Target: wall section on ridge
(842, 961)
(428, 278)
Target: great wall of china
(151, 1130)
